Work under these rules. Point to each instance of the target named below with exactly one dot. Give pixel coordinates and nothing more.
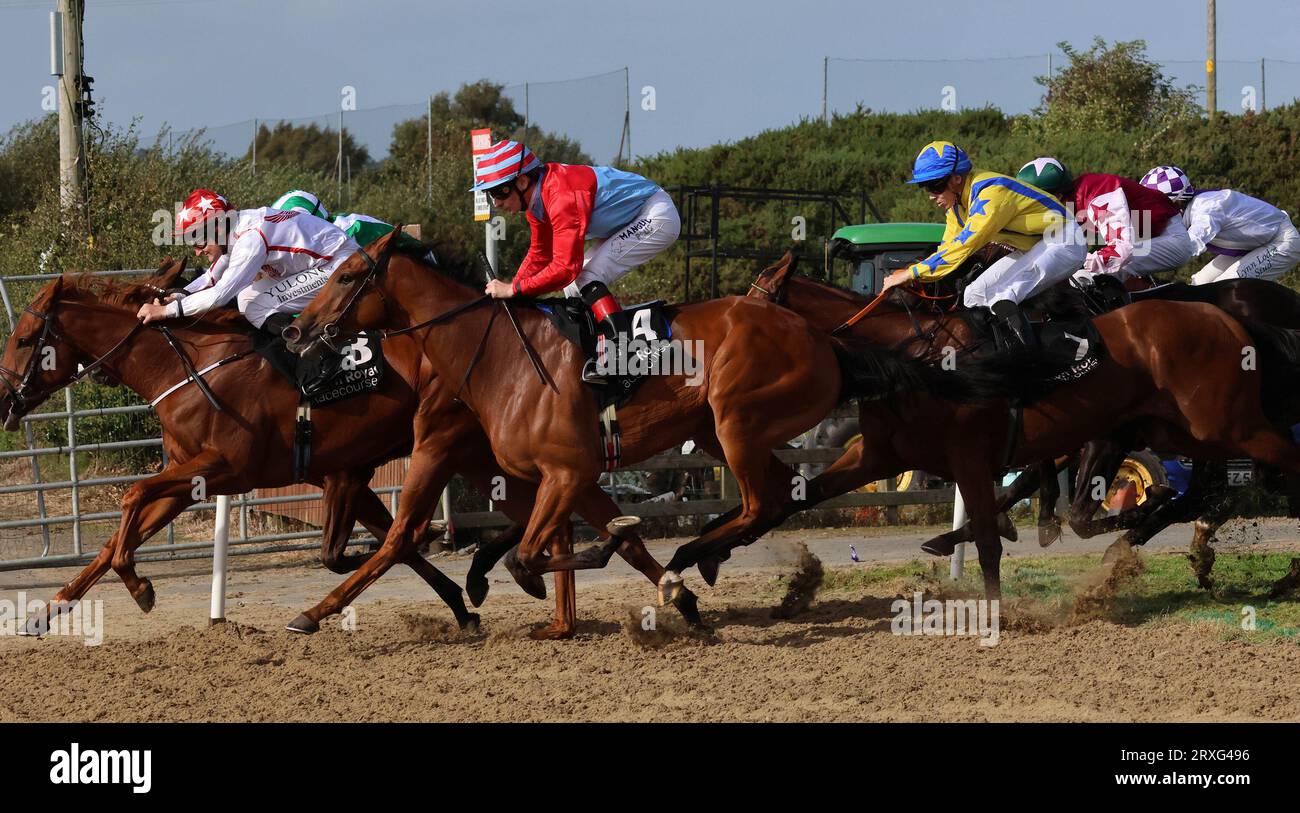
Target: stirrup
(590, 375)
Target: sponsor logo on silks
(953, 617)
(280, 217)
(74, 766)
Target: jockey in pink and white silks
(270, 263)
(1249, 237)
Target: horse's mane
(130, 294)
(451, 261)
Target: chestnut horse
(249, 443)
(764, 376)
(1199, 398)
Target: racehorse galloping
(1199, 400)
(249, 444)
(764, 376)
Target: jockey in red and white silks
(267, 261)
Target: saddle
(645, 351)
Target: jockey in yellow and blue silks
(985, 207)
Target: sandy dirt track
(837, 662)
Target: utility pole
(65, 57)
(1211, 78)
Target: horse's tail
(871, 372)
(1278, 351)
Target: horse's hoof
(708, 568)
(437, 527)
(476, 587)
(1047, 534)
(938, 547)
(145, 598)
(619, 525)
(554, 632)
(530, 583)
(1007, 528)
(471, 624)
(688, 605)
(303, 624)
(671, 586)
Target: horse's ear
(168, 273)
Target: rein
(48, 330)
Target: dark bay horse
(1200, 398)
(249, 443)
(764, 376)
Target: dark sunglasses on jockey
(501, 192)
(939, 185)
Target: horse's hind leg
(1049, 491)
(342, 497)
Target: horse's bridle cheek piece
(19, 394)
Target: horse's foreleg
(427, 476)
(152, 503)
(548, 525)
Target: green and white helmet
(301, 201)
(1048, 174)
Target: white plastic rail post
(220, 544)
(958, 558)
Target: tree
(311, 148)
(1111, 89)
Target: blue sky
(720, 69)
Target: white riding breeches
(654, 229)
(1164, 252)
(1021, 274)
(1269, 261)
(288, 294)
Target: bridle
(330, 332)
(22, 399)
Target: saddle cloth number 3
(358, 353)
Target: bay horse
(765, 376)
(1204, 501)
(249, 443)
(1199, 399)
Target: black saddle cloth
(647, 352)
(1072, 347)
(357, 370)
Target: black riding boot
(276, 323)
(1015, 320)
(618, 329)
(606, 309)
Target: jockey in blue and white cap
(1249, 237)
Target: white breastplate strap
(214, 365)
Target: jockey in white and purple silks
(1251, 238)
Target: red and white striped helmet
(505, 160)
(201, 206)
